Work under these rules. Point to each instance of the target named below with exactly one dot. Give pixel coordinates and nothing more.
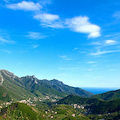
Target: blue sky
(77, 42)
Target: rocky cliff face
(9, 74)
(1, 79)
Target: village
(49, 113)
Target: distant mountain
(60, 86)
(38, 87)
(108, 95)
(17, 88)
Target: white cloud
(94, 35)
(95, 43)
(35, 35)
(91, 62)
(6, 1)
(117, 15)
(24, 5)
(104, 52)
(63, 75)
(76, 48)
(3, 40)
(89, 70)
(110, 42)
(82, 25)
(35, 46)
(113, 69)
(69, 68)
(105, 43)
(49, 20)
(65, 57)
(46, 17)
(6, 51)
(45, 2)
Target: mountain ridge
(110, 95)
(29, 86)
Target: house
(73, 115)
(51, 116)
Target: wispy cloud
(113, 69)
(91, 62)
(105, 43)
(104, 52)
(63, 75)
(115, 35)
(35, 46)
(35, 35)
(95, 43)
(117, 15)
(82, 25)
(69, 68)
(76, 48)
(6, 1)
(45, 2)
(89, 70)
(79, 24)
(49, 20)
(110, 42)
(65, 57)
(24, 5)
(6, 51)
(3, 40)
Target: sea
(98, 90)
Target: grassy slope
(73, 99)
(14, 89)
(21, 111)
(106, 107)
(4, 94)
(97, 106)
(40, 88)
(108, 95)
(60, 86)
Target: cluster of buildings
(78, 106)
(5, 104)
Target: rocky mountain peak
(57, 81)
(32, 78)
(9, 74)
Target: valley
(25, 97)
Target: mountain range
(45, 99)
(18, 88)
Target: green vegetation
(104, 107)
(39, 89)
(108, 95)
(14, 89)
(47, 111)
(96, 106)
(4, 96)
(40, 97)
(20, 111)
(29, 87)
(58, 85)
(73, 99)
